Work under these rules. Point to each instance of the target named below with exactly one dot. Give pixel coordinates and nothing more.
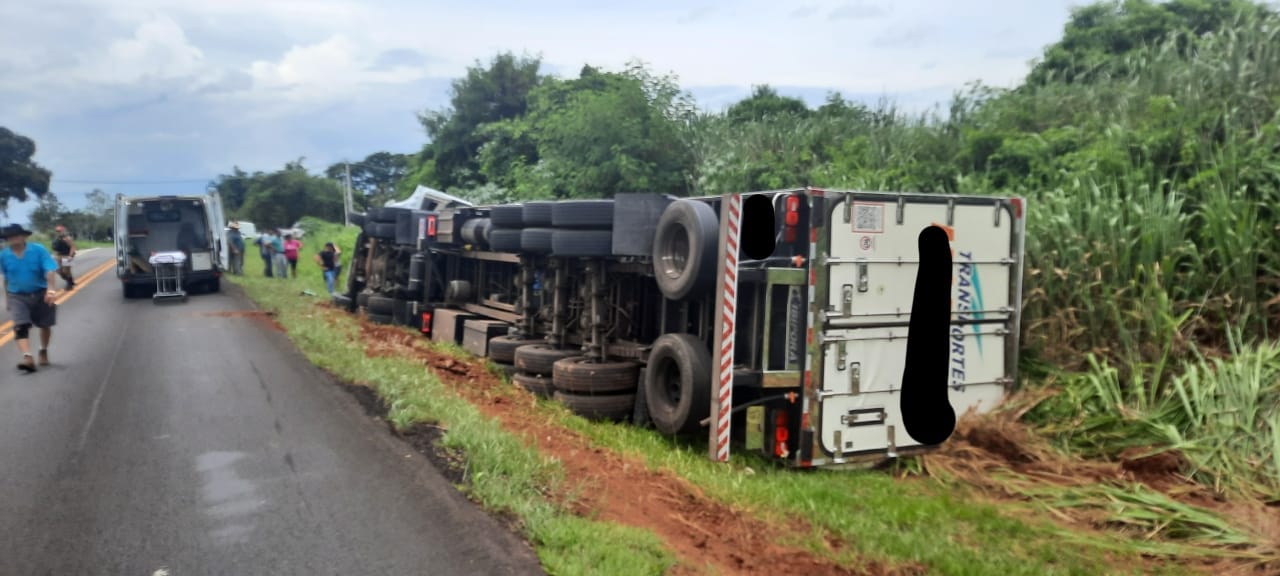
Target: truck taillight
(431, 226)
(780, 434)
(1017, 207)
(426, 323)
(793, 210)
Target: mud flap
(927, 413)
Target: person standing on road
(65, 249)
(279, 262)
(29, 270)
(328, 261)
(264, 249)
(236, 243)
(291, 248)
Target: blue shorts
(30, 308)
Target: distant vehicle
(151, 224)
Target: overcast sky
(120, 94)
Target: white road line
(102, 387)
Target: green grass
(502, 473)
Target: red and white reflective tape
(728, 306)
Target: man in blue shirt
(29, 270)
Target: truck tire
(582, 243)
(502, 349)
(380, 305)
(594, 214)
(501, 240)
(357, 219)
(362, 300)
(580, 375)
(537, 213)
(539, 385)
(684, 249)
(536, 240)
(476, 231)
(540, 359)
(381, 319)
(508, 216)
(678, 384)
(608, 407)
(340, 301)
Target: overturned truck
(816, 327)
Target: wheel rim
(669, 372)
(675, 252)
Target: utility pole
(346, 201)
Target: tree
(48, 213)
(485, 95)
(20, 176)
(375, 178)
(281, 198)
(234, 187)
(604, 133)
(99, 202)
(763, 103)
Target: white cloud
(158, 49)
(334, 68)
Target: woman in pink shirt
(291, 249)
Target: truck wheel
(610, 407)
(538, 385)
(536, 240)
(504, 240)
(502, 349)
(537, 213)
(509, 216)
(380, 305)
(340, 301)
(579, 375)
(677, 384)
(582, 214)
(540, 359)
(684, 248)
(129, 292)
(357, 219)
(214, 286)
(362, 300)
(582, 243)
(381, 319)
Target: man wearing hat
(236, 244)
(29, 271)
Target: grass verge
(500, 471)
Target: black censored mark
(757, 234)
(926, 411)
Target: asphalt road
(166, 440)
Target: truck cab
(146, 225)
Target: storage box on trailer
(477, 333)
(447, 325)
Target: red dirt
(612, 487)
(266, 318)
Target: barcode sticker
(868, 218)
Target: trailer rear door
(870, 272)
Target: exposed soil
(266, 318)
(606, 485)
